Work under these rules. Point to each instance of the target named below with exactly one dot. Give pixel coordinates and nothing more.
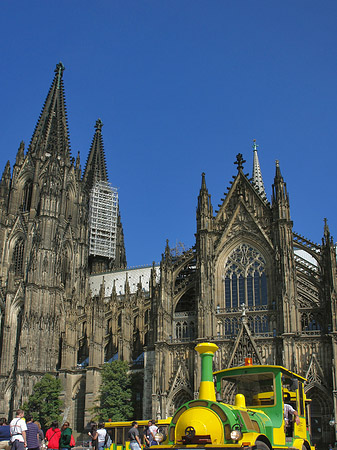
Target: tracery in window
(309, 323)
(245, 279)
(18, 257)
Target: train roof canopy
(256, 369)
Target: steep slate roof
(51, 131)
(95, 169)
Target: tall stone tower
(49, 321)
(44, 251)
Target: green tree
(44, 404)
(115, 392)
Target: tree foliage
(44, 404)
(115, 392)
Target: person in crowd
(133, 435)
(94, 436)
(153, 430)
(108, 440)
(65, 436)
(5, 434)
(18, 428)
(289, 411)
(53, 435)
(147, 434)
(41, 434)
(32, 434)
(102, 436)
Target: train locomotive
(255, 420)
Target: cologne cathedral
(69, 303)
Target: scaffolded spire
(51, 131)
(257, 175)
(95, 168)
(103, 205)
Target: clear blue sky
(182, 86)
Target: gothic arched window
(18, 253)
(65, 269)
(245, 279)
(27, 196)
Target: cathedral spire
(280, 197)
(95, 168)
(51, 132)
(204, 209)
(257, 175)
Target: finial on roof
(326, 230)
(59, 68)
(239, 161)
(59, 72)
(254, 145)
(98, 125)
(277, 162)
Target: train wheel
(261, 445)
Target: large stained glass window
(245, 279)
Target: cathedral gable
(242, 221)
(314, 373)
(244, 347)
(180, 381)
(18, 227)
(26, 171)
(242, 190)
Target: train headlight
(236, 435)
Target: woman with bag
(53, 435)
(94, 437)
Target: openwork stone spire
(51, 131)
(257, 175)
(95, 169)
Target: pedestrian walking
(32, 434)
(18, 430)
(94, 437)
(5, 434)
(53, 435)
(65, 436)
(133, 435)
(102, 435)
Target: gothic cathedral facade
(250, 284)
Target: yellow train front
(255, 417)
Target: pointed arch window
(27, 196)
(65, 269)
(18, 254)
(245, 279)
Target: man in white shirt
(18, 430)
(288, 409)
(152, 432)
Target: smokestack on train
(206, 351)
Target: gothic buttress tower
(44, 253)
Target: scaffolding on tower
(103, 214)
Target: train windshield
(258, 389)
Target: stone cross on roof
(239, 161)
